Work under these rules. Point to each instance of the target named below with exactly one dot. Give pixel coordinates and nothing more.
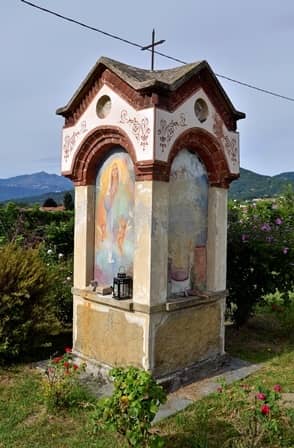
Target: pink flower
(265, 227)
(279, 221)
(261, 396)
(285, 250)
(68, 349)
(265, 409)
(277, 388)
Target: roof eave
(64, 110)
(148, 86)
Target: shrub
(61, 388)
(255, 412)
(10, 221)
(59, 236)
(260, 253)
(60, 269)
(281, 305)
(132, 407)
(27, 313)
(31, 226)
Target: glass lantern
(122, 285)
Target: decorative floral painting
(114, 225)
(187, 218)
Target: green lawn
(24, 421)
(217, 421)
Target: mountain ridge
(29, 185)
(252, 185)
(36, 187)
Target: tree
(68, 201)
(49, 202)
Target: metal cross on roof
(147, 47)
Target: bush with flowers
(61, 388)
(36, 272)
(255, 413)
(60, 268)
(260, 252)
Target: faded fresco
(114, 225)
(187, 219)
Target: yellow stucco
(107, 336)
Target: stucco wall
(185, 337)
(112, 337)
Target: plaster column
(217, 239)
(159, 243)
(151, 243)
(84, 235)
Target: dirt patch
(287, 400)
(5, 380)
(33, 419)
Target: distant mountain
(29, 185)
(35, 188)
(251, 185)
(31, 200)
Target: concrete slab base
(233, 369)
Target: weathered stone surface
(109, 336)
(186, 337)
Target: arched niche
(187, 237)
(93, 149)
(114, 216)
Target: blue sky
(43, 60)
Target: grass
(260, 340)
(25, 422)
(216, 421)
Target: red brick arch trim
(94, 149)
(209, 150)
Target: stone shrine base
(164, 339)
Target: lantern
(122, 285)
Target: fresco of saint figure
(188, 198)
(114, 220)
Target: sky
(44, 59)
